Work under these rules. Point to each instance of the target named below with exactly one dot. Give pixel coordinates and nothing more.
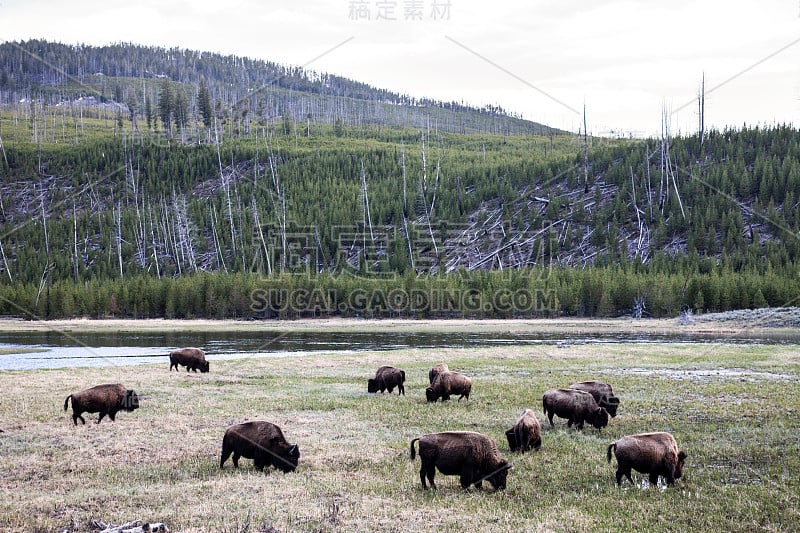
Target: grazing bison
(602, 394)
(526, 433)
(574, 405)
(470, 455)
(435, 371)
(387, 378)
(263, 442)
(193, 359)
(655, 454)
(448, 383)
(105, 399)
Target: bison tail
(611, 446)
(402, 376)
(544, 404)
(66, 401)
(413, 451)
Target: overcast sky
(625, 59)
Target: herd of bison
(472, 456)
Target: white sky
(624, 59)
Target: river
(51, 349)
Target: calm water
(58, 350)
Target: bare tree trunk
(367, 216)
(405, 206)
(217, 247)
(257, 222)
(153, 240)
(5, 263)
(585, 154)
(118, 219)
(75, 238)
(701, 104)
(226, 187)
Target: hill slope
(92, 194)
(244, 90)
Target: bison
(526, 433)
(472, 456)
(602, 394)
(435, 371)
(263, 442)
(105, 399)
(574, 405)
(193, 359)
(387, 378)
(655, 454)
(448, 383)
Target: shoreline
(702, 324)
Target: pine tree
(166, 106)
(204, 105)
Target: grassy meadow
(733, 408)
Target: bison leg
(102, 414)
(654, 479)
(401, 390)
(111, 415)
(226, 452)
(429, 471)
(467, 477)
(75, 419)
(550, 418)
(236, 459)
(628, 475)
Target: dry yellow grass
(161, 462)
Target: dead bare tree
(7, 267)
(225, 179)
(405, 205)
(701, 109)
(585, 154)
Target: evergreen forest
(142, 182)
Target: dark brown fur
(448, 383)
(263, 442)
(655, 454)
(472, 456)
(602, 393)
(574, 405)
(387, 378)
(436, 370)
(526, 433)
(105, 399)
(193, 359)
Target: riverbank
(733, 322)
(733, 408)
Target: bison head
(287, 460)
(372, 385)
(610, 403)
(498, 477)
(204, 366)
(511, 435)
(431, 395)
(130, 401)
(679, 466)
(599, 418)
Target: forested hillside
(195, 212)
(148, 85)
